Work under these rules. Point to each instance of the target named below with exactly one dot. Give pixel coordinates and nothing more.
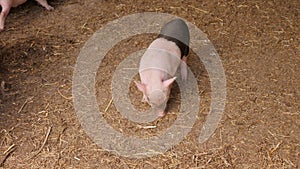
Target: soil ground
(258, 43)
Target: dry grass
(258, 43)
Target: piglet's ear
(168, 82)
(140, 86)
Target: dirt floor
(258, 43)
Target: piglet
(160, 62)
(7, 4)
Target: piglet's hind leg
(183, 68)
(45, 4)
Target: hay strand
(44, 142)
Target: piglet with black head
(160, 62)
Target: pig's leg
(6, 5)
(183, 68)
(161, 114)
(142, 88)
(144, 99)
(45, 4)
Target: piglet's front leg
(5, 5)
(162, 114)
(144, 99)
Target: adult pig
(7, 4)
(160, 62)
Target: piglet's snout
(157, 99)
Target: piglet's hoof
(161, 114)
(49, 8)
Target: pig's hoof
(49, 8)
(161, 114)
